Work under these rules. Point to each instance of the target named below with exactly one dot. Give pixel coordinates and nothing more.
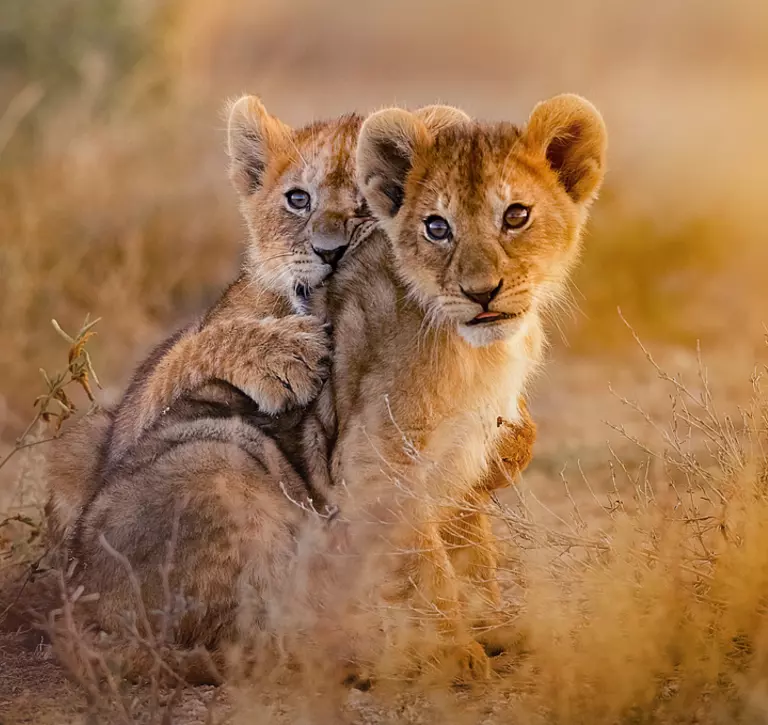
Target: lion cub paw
(288, 366)
(464, 664)
(473, 663)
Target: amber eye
(298, 199)
(516, 216)
(437, 228)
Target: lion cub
(256, 352)
(208, 459)
(437, 328)
(303, 211)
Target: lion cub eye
(436, 228)
(516, 216)
(298, 199)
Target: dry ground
(572, 404)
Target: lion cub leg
(474, 554)
(471, 544)
(430, 586)
(277, 362)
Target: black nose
(330, 256)
(483, 298)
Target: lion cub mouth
(303, 291)
(485, 318)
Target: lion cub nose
(330, 256)
(483, 297)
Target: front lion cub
(437, 328)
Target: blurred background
(114, 199)
(114, 202)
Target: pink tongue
(486, 315)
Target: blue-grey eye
(437, 228)
(298, 199)
(516, 216)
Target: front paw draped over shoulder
(279, 363)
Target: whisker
(296, 148)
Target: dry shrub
(652, 611)
(655, 612)
(22, 522)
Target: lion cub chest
(423, 418)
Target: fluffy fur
(420, 378)
(196, 440)
(255, 350)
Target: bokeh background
(114, 202)
(114, 199)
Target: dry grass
(652, 610)
(112, 176)
(641, 592)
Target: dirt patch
(33, 688)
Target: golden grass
(115, 202)
(112, 177)
(665, 622)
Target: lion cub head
(484, 219)
(298, 196)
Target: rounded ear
(569, 132)
(253, 137)
(437, 117)
(386, 147)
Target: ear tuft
(437, 117)
(253, 138)
(385, 150)
(570, 133)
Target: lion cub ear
(437, 117)
(568, 131)
(386, 147)
(254, 137)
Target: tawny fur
(257, 337)
(205, 454)
(418, 388)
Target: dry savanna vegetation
(635, 569)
